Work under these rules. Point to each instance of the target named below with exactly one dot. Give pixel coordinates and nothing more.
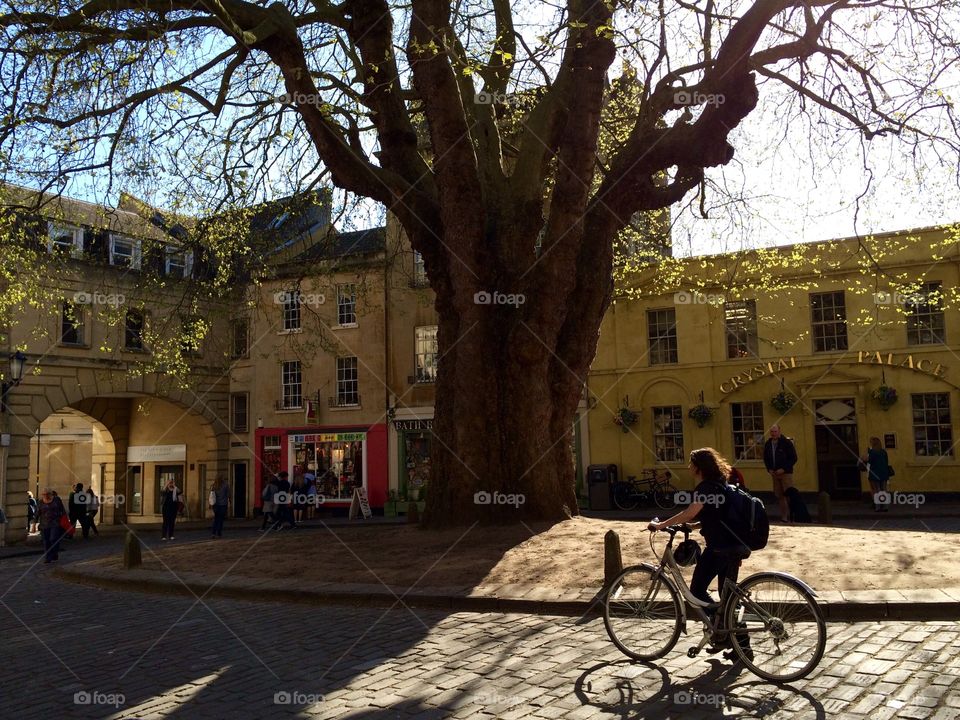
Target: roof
(53, 206)
(335, 245)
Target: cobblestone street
(143, 656)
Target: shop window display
(336, 461)
(417, 464)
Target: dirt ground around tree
(565, 555)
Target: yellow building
(828, 324)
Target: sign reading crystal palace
(828, 350)
(775, 367)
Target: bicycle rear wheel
(777, 630)
(642, 613)
(624, 496)
(666, 496)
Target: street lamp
(17, 362)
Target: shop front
(341, 459)
(415, 440)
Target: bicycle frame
(669, 572)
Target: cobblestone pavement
(150, 657)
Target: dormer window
(179, 262)
(64, 239)
(124, 252)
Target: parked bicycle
(771, 619)
(652, 487)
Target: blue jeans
(219, 515)
(51, 542)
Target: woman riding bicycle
(724, 551)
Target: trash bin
(600, 479)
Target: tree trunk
(511, 375)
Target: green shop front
(413, 438)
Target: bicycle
(655, 486)
(771, 619)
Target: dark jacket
(879, 465)
(48, 514)
(169, 500)
(786, 455)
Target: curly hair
(711, 464)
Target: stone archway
(116, 401)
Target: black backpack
(746, 517)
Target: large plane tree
(485, 127)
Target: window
(668, 433)
(124, 252)
(932, 429)
(179, 263)
(238, 412)
(71, 323)
(64, 239)
(348, 383)
(828, 321)
(291, 388)
(426, 354)
(133, 330)
(419, 270)
(239, 338)
(747, 430)
(291, 310)
(662, 335)
(741, 325)
(925, 324)
(346, 305)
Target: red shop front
(341, 458)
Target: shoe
(733, 657)
(171, 537)
(163, 538)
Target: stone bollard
(612, 559)
(824, 509)
(132, 557)
(413, 513)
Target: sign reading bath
(156, 453)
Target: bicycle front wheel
(642, 613)
(776, 629)
(624, 496)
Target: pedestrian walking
(779, 457)
(50, 512)
(284, 502)
(299, 499)
(171, 500)
(269, 506)
(877, 465)
(220, 499)
(32, 518)
(93, 508)
(78, 503)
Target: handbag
(66, 525)
(212, 499)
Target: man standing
(779, 457)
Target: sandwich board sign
(359, 505)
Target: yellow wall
(622, 366)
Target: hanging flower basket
(885, 396)
(783, 401)
(625, 417)
(701, 414)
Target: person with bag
(876, 464)
(269, 508)
(52, 519)
(171, 503)
(724, 552)
(779, 457)
(219, 500)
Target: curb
(833, 611)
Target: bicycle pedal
(693, 652)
